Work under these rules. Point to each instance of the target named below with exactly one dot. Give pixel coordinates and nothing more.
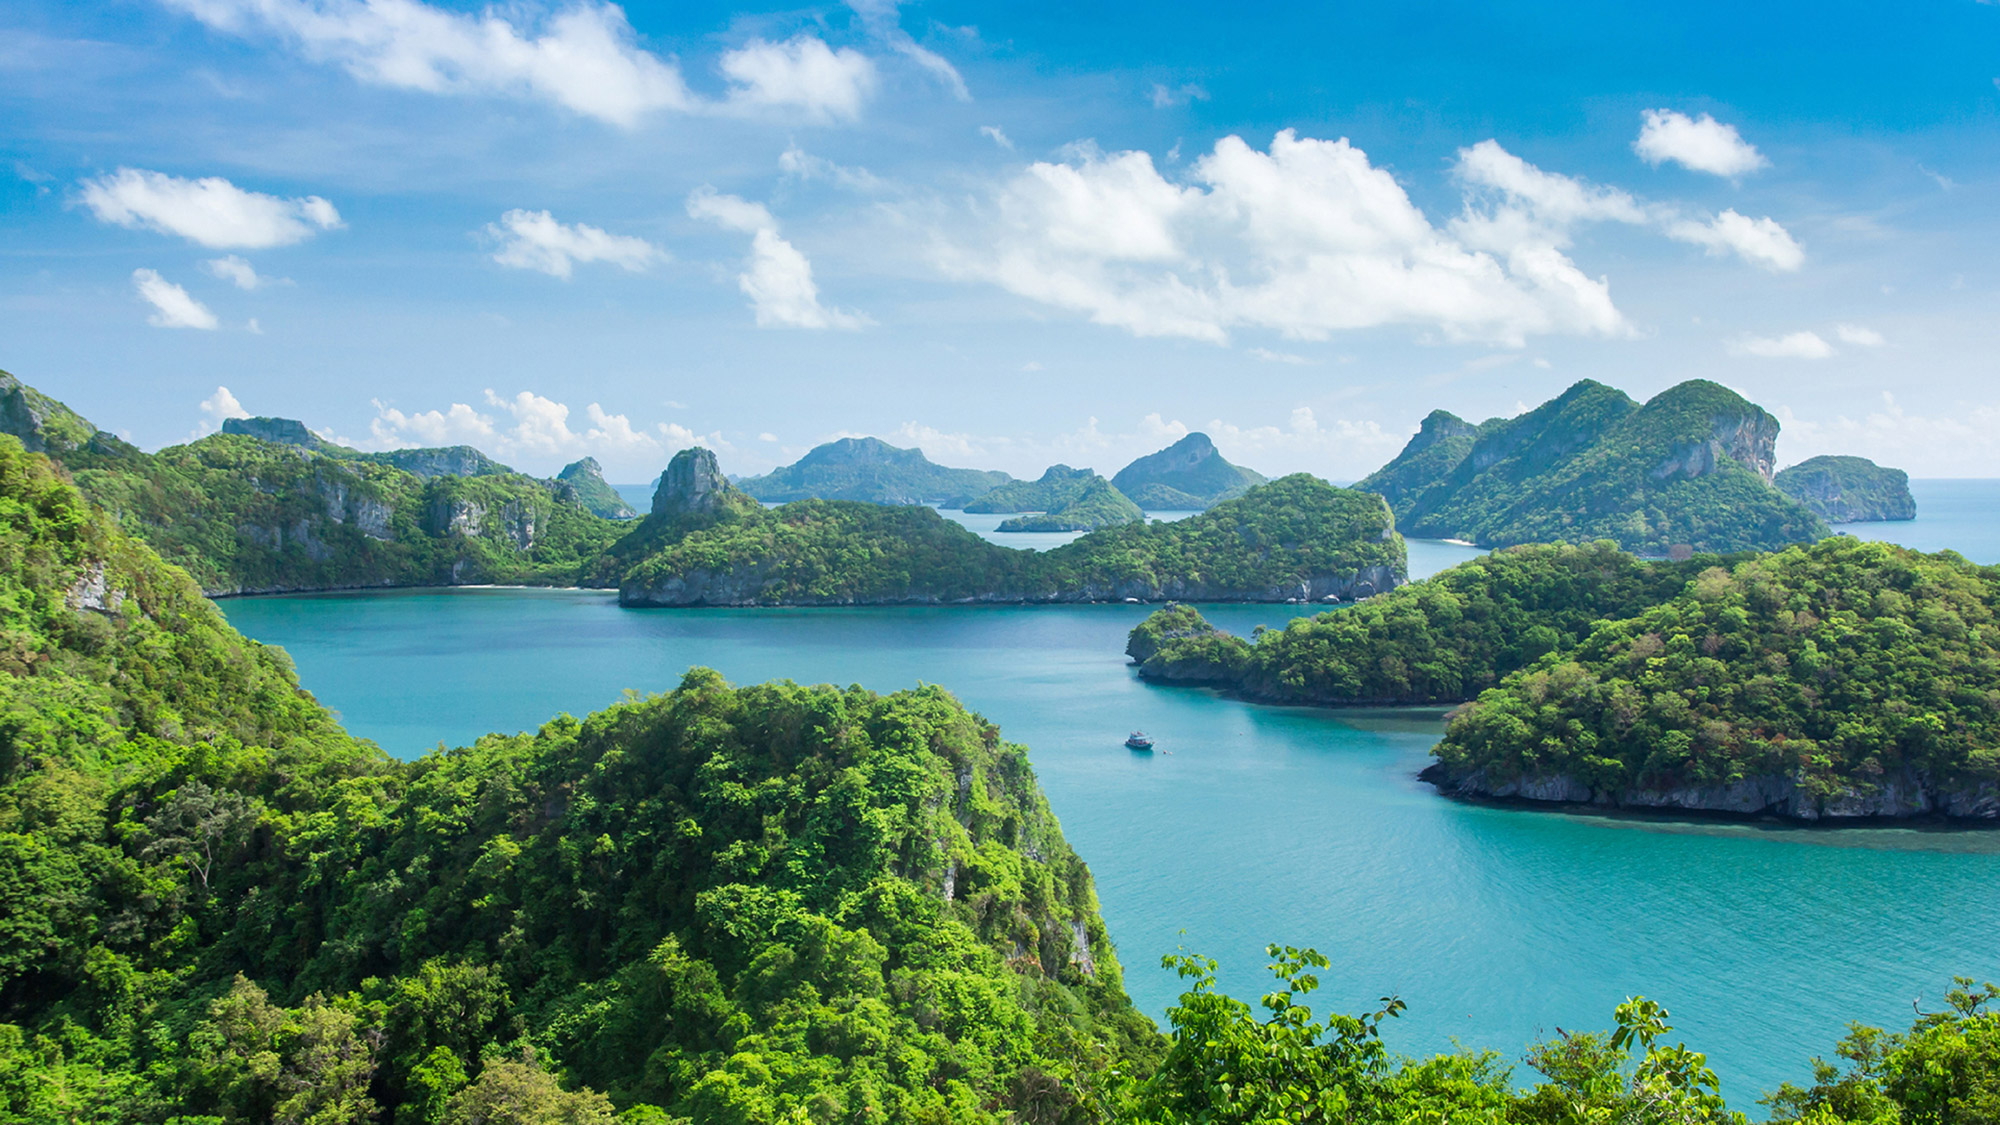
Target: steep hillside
(1848, 489)
(872, 471)
(1189, 474)
(1057, 486)
(1294, 539)
(730, 904)
(583, 482)
(1691, 467)
(290, 511)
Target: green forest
(1295, 537)
(745, 905)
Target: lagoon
(1256, 824)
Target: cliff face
(1848, 489)
(1901, 795)
(693, 485)
(1749, 439)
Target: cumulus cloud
(1795, 345)
(802, 73)
(217, 409)
(1307, 238)
(534, 240)
(778, 279)
(209, 212)
(1536, 210)
(1703, 144)
(584, 58)
(1859, 336)
(536, 428)
(172, 306)
(1761, 242)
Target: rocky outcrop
(1849, 489)
(93, 590)
(445, 461)
(1749, 439)
(514, 521)
(278, 431)
(1899, 795)
(693, 485)
(343, 505)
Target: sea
(1254, 824)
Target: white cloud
(1859, 336)
(208, 212)
(584, 58)
(172, 307)
(801, 73)
(1795, 345)
(1306, 239)
(1704, 144)
(217, 409)
(802, 165)
(1550, 197)
(534, 240)
(238, 272)
(1761, 242)
(1164, 97)
(880, 17)
(779, 279)
(997, 136)
(531, 427)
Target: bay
(1257, 824)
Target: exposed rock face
(1750, 440)
(1847, 489)
(446, 461)
(513, 521)
(583, 482)
(692, 485)
(279, 431)
(92, 590)
(1899, 795)
(743, 586)
(368, 515)
(1437, 426)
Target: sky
(1011, 234)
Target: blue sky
(1012, 234)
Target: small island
(1849, 489)
(1097, 504)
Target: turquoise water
(1957, 515)
(1257, 824)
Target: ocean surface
(1255, 824)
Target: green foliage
(871, 471)
(1845, 489)
(583, 482)
(1189, 474)
(1226, 1067)
(1944, 1071)
(1282, 540)
(1687, 468)
(1440, 640)
(1096, 504)
(1843, 667)
(1058, 485)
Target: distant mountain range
(1188, 475)
(871, 470)
(1691, 468)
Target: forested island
(1690, 468)
(1187, 475)
(1064, 499)
(706, 543)
(1837, 680)
(750, 905)
(871, 470)
(1849, 489)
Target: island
(1188, 475)
(1849, 489)
(872, 471)
(1096, 504)
(707, 543)
(1691, 468)
(1844, 679)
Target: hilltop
(1190, 474)
(1294, 539)
(1849, 489)
(1097, 504)
(586, 485)
(872, 471)
(1691, 467)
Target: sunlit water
(1254, 824)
